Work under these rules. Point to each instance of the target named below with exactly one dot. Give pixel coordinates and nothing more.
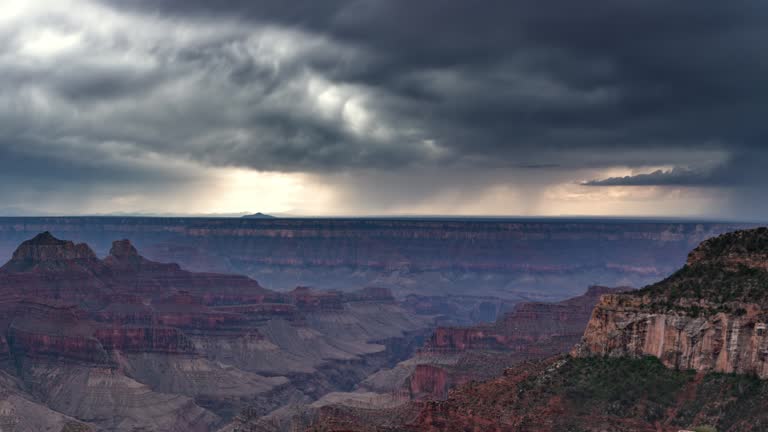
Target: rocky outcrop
(46, 252)
(428, 381)
(711, 315)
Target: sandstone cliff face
(709, 316)
(722, 342)
(428, 381)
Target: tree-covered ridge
(597, 394)
(722, 275)
(708, 289)
(742, 243)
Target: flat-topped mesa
(711, 315)
(46, 252)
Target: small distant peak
(258, 216)
(123, 249)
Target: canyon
(686, 353)
(107, 339)
(124, 343)
(449, 358)
(512, 259)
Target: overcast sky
(351, 107)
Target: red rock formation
(711, 315)
(149, 278)
(428, 381)
(56, 331)
(74, 306)
(130, 343)
(144, 339)
(45, 252)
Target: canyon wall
(711, 315)
(514, 259)
(686, 353)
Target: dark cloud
(506, 78)
(742, 171)
(674, 177)
(371, 86)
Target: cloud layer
(384, 105)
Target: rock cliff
(710, 316)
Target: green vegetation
(616, 386)
(646, 390)
(718, 286)
(721, 289)
(622, 380)
(738, 242)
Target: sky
(384, 107)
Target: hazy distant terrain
(517, 259)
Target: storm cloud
(390, 106)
